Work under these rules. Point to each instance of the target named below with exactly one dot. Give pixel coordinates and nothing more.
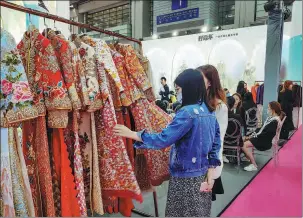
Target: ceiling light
(204, 29)
(175, 33)
(155, 36)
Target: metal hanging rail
(64, 20)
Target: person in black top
(242, 88)
(237, 109)
(286, 100)
(262, 138)
(164, 92)
(249, 112)
(231, 127)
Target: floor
(233, 181)
(277, 190)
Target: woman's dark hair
(248, 101)
(193, 87)
(230, 102)
(240, 88)
(163, 78)
(286, 85)
(276, 107)
(215, 91)
(161, 105)
(239, 96)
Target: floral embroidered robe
(71, 67)
(16, 106)
(64, 56)
(50, 93)
(16, 101)
(134, 67)
(87, 55)
(149, 93)
(150, 117)
(113, 158)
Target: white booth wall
(238, 54)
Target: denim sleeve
(213, 155)
(180, 125)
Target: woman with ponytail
(262, 138)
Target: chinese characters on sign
(211, 36)
(178, 16)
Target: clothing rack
(86, 26)
(64, 20)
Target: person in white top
(217, 99)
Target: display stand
(86, 26)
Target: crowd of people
(204, 116)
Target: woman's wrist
(135, 136)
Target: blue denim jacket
(195, 138)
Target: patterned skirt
(184, 198)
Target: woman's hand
(123, 131)
(210, 181)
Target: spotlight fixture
(155, 36)
(204, 29)
(175, 33)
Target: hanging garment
(113, 158)
(23, 201)
(297, 95)
(131, 91)
(134, 67)
(45, 79)
(87, 55)
(79, 76)
(151, 118)
(254, 92)
(35, 148)
(64, 56)
(260, 94)
(7, 208)
(71, 139)
(69, 202)
(149, 93)
(16, 97)
(123, 117)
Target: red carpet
(276, 191)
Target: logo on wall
(211, 36)
(178, 16)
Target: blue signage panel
(178, 4)
(178, 16)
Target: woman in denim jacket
(195, 138)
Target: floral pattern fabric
(44, 76)
(79, 76)
(134, 66)
(16, 98)
(113, 159)
(64, 56)
(71, 139)
(131, 92)
(87, 55)
(6, 200)
(35, 148)
(151, 118)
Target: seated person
(162, 105)
(249, 113)
(232, 129)
(262, 138)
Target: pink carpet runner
(276, 191)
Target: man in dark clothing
(164, 91)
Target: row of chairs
(234, 138)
